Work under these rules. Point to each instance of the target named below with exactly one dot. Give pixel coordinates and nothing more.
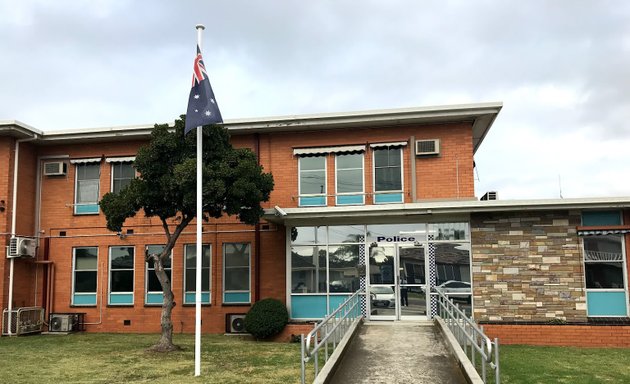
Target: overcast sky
(561, 69)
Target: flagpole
(199, 251)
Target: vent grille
(492, 195)
(427, 147)
(55, 168)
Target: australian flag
(202, 106)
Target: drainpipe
(13, 225)
(257, 236)
(412, 161)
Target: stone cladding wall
(527, 267)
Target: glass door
(382, 287)
(397, 282)
(412, 274)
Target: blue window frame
(312, 181)
(388, 175)
(236, 273)
(87, 188)
(153, 289)
(190, 269)
(349, 179)
(121, 275)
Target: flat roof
(437, 209)
(482, 115)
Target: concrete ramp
(398, 352)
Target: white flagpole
(199, 251)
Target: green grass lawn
(121, 358)
(532, 365)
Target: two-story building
(382, 201)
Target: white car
(382, 296)
(455, 289)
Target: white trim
(194, 246)
(85, 161)
(127, 159)
(109, 275)
(249, 273)
(361, 192)
(146, 274)
(325, 193)
(326, 150)
(111, 176)
(74, 270)
(385, 145)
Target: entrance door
(397, 283)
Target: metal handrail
(470, 337)
(329, 332)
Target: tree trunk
(165, 344)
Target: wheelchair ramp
(398, 352)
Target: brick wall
(561, 335)
(527, 267)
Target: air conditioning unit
(22, 246)
(492, 195)
(55, 168)
(427, 147)
(62, 322)
(235, 323)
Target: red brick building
(380, 200)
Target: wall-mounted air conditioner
(427, 147)
(235, 323)
(22, 247)
(55, 168)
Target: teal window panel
(120, 298)
(349, 199)
(335, 301)
(155, 298)
(380, 198)
(189, 298)
(308, 306)
(236, 297)
(312, 201)
(84, 299)
(596, 218)
(606, 303)
(86, 209)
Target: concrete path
(398, 352)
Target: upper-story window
(312, 181)
(388, 174)
(349, 178)
(122, 172)
(86, 185)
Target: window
(312, 181)
(236, 275)
(87, 188)
(85, 267)
(190, 269)
(122, 174)
(388, 175)
(121, 260)
(349, 179)
(153, 289)
(604, 266)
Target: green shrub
(266, 318)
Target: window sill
(82, 306)
(192, 305)
(236, 304)
(120, 305)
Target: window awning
(602, 232)
(85, 161)
(388, 145)
(127, 159)
(325, 150)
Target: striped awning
(86, 161)
(127, 159)
(602, 232)
(389, 145)
(326, 150)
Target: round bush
(266, 318)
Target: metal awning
(325, 150)
(127, 159)
(388, 145)
(85, 161)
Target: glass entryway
(397, 288)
